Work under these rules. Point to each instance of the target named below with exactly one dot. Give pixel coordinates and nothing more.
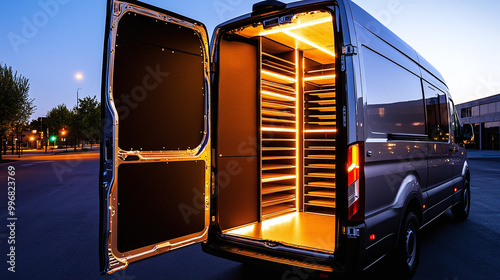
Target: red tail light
(353, 182)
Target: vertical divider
(259, 122)
(300, 129)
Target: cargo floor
(306, 230)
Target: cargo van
(305, 135)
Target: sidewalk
(478, 154)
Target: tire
(461, 210)
(408, 249)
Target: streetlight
(77, 107)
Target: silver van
(306, 135)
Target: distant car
(308, 135)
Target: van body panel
(431, 74)
(370, 40)
(366, 20)
(384, 226)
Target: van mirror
(467, 134)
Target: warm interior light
(278, 129)
(279, 76)
(320, 130)
(285, 97)
(278, 178)
(298, 117)
(296, 26)
(326, 77)
(278, 220)
(310, 43)
(264, 225)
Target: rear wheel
(408, 251)
(462, 209)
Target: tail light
(353, 182)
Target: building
(484, 115)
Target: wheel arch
(412, 202)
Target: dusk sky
(51, 41)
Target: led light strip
(268, 93)
(279, 76)
(310, 43)
(298, 116)
(320, 130)
(278, 129)
(326, 77)
(293, 27)
(278, 178)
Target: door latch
(348, 50)
(352, 232)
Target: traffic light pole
(46, 138)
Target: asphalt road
(56, 231)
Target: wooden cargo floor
(307, 230)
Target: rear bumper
(292, 265)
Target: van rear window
(394, 97)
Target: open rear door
(155, 152)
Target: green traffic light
(53, 138)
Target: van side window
(394, 97)
(437, 114)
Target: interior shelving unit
(320, 127)
(278, 101)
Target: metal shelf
(325, 202)
(278, 117)
(273, 188)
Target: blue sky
(50, 41)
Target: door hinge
(349, 50)
(344, 116)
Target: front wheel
(461, 210)
(408, 251)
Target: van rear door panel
(155, 169)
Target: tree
(15, 105)
(58, 118)
(81, 123)
(89, 114)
